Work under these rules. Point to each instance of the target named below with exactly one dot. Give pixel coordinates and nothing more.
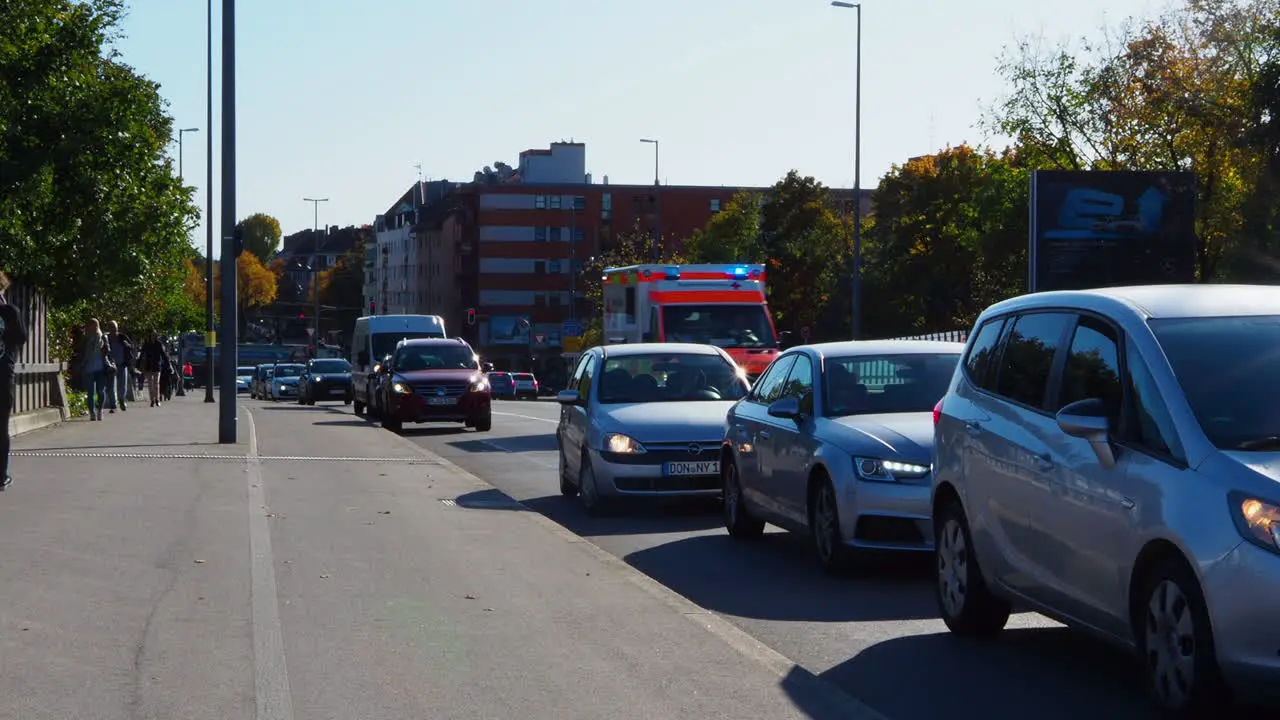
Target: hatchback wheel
(567, 488)
(737, 518)
(966, 604)
(588, 491)
(824, 528)
(1178, 654)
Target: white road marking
(528, 417)
(529, 453)
(272, 696)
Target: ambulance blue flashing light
(741, 272)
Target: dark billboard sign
(1092, 229)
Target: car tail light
(937, 412)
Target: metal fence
(38, 374)
(879, 373)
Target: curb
(840, 703)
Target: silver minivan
(1111, 459)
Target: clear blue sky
(340, 99)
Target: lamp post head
(647, 140)
(842, 4)
(187, 130)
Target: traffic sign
(572, 328)
(539, 339)
(311, 332)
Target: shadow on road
(635, 518)
(1022, 673)
(545, 442)
(775, 579)
(357, 422)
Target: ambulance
(715, 304)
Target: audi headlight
(400, 385)
(1257, 520)
(877, 470)
(480, 385)
(622, 444)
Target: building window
(555, 202)
(553, 299)
(579, 202)
(578, 235)
(715, 205)
(540, 233)
(553, 267)
(539, 267)
(556, 234)
(539, 299)
(606, 202)
(540, 202)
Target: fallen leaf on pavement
(199, 562)
(384, 512)
(324, 576)
(469, 596)
(488, 609)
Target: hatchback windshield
(435, 357)
(330, 366)
(874, 384)
(287, 371)
(670, 378)
(1224, 366)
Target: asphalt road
(876, 636)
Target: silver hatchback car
(1111, 458)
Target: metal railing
(38, 374)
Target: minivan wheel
(1180, 664)
(965, 602)
(737, 518)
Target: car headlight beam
(622, 444)
(1257, 520)
(877, 470)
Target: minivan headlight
(622, 444)
(1257, 520)
(877, 470)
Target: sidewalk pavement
(324, 568)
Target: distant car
(835, 441)
(645, 420)
(526, 386)
(284, 380)
(260, 386)
(435, 380)
(244, 378)
(502, 385)
(1111, 458)
(325, 379)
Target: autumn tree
(342, 286)
(631, 247)
(261, 234)
(949, 239)
(732, 235)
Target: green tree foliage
(807, 250)
(92, 213)
(950, 238)
(631, 247)
(1172, 93)
(732, 235)
(261, 236)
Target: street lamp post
(315, 263)
(182, 132)
(857, 174)
(657, 203)
(208, 216)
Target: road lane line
(528, 417)
(272, 697)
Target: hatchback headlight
(480, 385)
(1257, 520)
(877, 470)
(622, 444)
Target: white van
(375, 337)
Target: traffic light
(302, 316)
(372, 308)
(471, 316)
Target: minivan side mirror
(1087, 419)
(787, 407)
(568, 397)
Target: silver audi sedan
(645, 420)
(836, 440)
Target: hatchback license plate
(442, 401)
(705, 467)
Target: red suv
(435, 380)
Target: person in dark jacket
(153, 359)
(13, 335)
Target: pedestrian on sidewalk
(154, 359)
(98, 370)
(166, 378)
(13, 335)
(121, 350)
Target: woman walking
(154, 360)
(13, 335)
(95, 356)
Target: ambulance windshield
(726, 326)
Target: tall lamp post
(315, 263)
(230, 243)
(657, 203)
(182, 132)
(857, 174)
(208, 216)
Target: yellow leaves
(257, 284)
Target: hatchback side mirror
(568, 397)
(1088, 420)
(787, 407)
